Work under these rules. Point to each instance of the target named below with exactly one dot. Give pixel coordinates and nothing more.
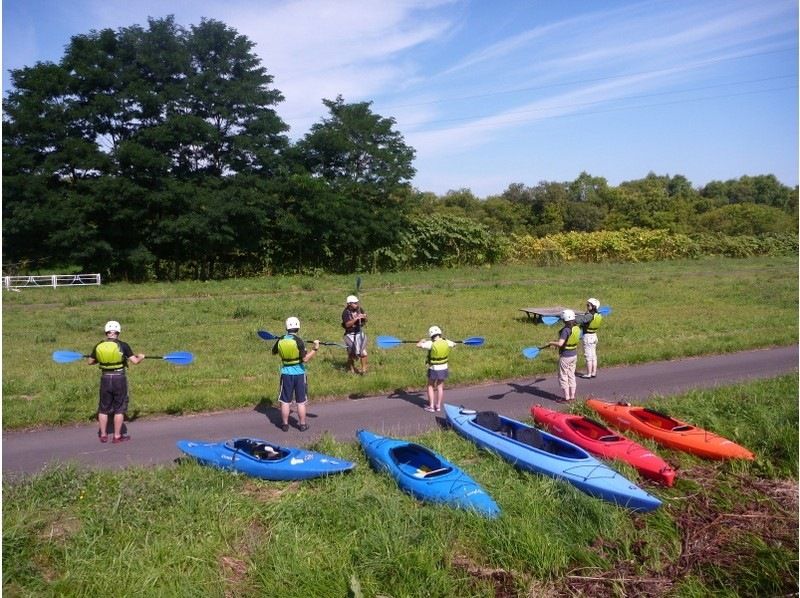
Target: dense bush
(643, 245)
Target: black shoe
(285, 427)
(303, 427)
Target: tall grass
(661, 311)
(189, 530)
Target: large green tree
(137, 136)
(365, 161)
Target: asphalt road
(400, 414)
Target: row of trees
(158, 152)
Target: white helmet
(593, 301)
(434, 331)
(567, 315)
(113, 326)
(292, 323)
(352, 299)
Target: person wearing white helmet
(567, 344)
(294, 383)
(113, 356)
(589, 323)
(438, 349)
(354, 318)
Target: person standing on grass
(590, 322)
(438, 349)
(567, 345)
(354, 318)
(294, 384)
(113, 355)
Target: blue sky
(508, 91)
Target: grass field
(660, 311)
(725, 529)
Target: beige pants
(566, 376)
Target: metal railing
(50, 280)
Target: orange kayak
(669, 431)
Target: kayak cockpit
(258, 449)
(527, 435)
(417, 461)
(588, 428)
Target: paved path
(399, 414)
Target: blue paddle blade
(550, 320)
(267, 336)
(474, 341)
(530, 352)
(387, 342)
(179, 358)
(604, 311)
(63, 356)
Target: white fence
(51, 280)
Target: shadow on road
(415, 398)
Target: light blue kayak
(535, 450)
(425, 474)
(262, 459)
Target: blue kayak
(532, 449)
(262, 459)
(425, 474)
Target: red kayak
(669, 431)
(604, 442)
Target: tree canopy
(158, 152)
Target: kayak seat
(531, 437)
(489, 420)
(683, 428)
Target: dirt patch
(233, 567)
(264, 492)
(503, 581)
(716, 527)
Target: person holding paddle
(354, 318)
(567, 344)
(590, 322)
(294, 383)
(438, 349)
(113, 355)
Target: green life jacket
(574, 338)
(439, 352)
(109, 355)
(593, 324)
(289, 350)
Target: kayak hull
(668, 431)
(603, 442)
(426, 475)
(262, 459)
(553, 457)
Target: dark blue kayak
(425, 474)
(262, 459)
(532, 449)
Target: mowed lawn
(724, 529)
(661, 311)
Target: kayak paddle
(268, 336)
(388, 342)
(532, 352)
(177, 357)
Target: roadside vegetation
(725, 528)
(664, 310)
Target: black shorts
(293, 386)
(113, 394)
